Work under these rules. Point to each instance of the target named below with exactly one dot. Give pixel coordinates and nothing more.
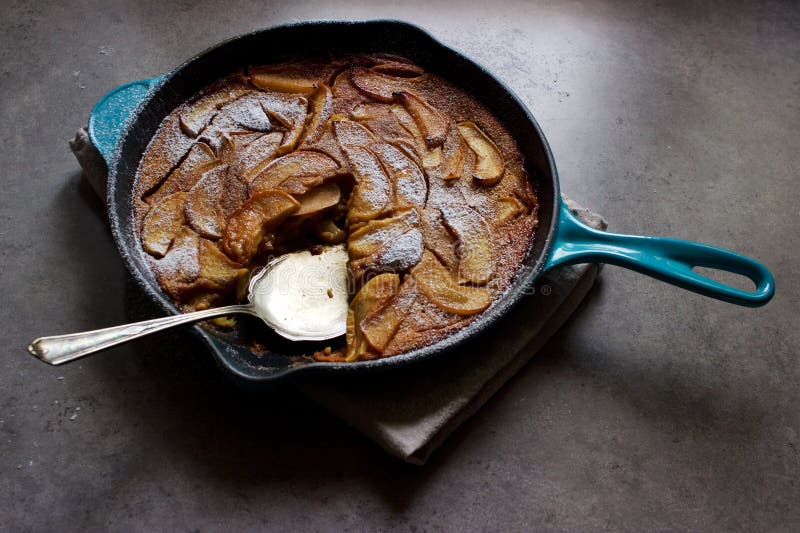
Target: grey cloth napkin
(409, 411)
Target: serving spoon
(300, 295)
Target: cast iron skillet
(124, 120)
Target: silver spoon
(302, 296)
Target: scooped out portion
(423, 185)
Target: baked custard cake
(426, 188)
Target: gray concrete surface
(653, 409)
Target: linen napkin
(410, 411)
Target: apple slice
(321, 106)
(453, 156)
(289, 111)
(394, 65)
(242, 139)
(199, 113)
(400, 254)
(436, 282)
(431, 123)
(376, 85)
(369, 238)
(380, 120)
(197, 274)
(215, 266)
(475, 263)
(429, 158)
(344, 91)
(395, 255)
(371, 296)
(162, 224)
(438, 238)
(244, 112)
(250, 161)
(247, 225)
(303, 166)
(490, 166)
(275, 81)
(197, 160)
(411, 188)
(372, 193)
(329, 232)
(379, 327)
(203, 208)
(180, 265)
(318, 199)
(508, 207)
(349, 133)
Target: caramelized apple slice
(490, 166)
(203, 207)
(431, 123)
(258, 154)
(436, 282)
(318, 199)
(181, 264)
(453, 155)
(429, 158)
(438, 238)
(474, 243)
(395, 255)
(369, 238)
(301, 167)
(289, 111)
(162, 224)
(508, 207)
(411, 188)
(195, 119)
(321, 107)
(330, 232)
(218, 140)
(198, 159)
(198, 114)
(215, 266)
(344, 92)
(242, 139)
(371, 296)
(198, 295)
(275, 81)
(372, 193)
(376, 85)
(349, 133)
(393, 65)
(245, 112)
(247, 225)
(380, 326)
(380, 120)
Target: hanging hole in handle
(732, 279)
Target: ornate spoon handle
(60, 349)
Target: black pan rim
(524, 279)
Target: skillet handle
(669, 260)
(111, 113)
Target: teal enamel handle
(669, 260)
(110, 115)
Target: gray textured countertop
(652, 408)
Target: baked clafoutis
(425, 187)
